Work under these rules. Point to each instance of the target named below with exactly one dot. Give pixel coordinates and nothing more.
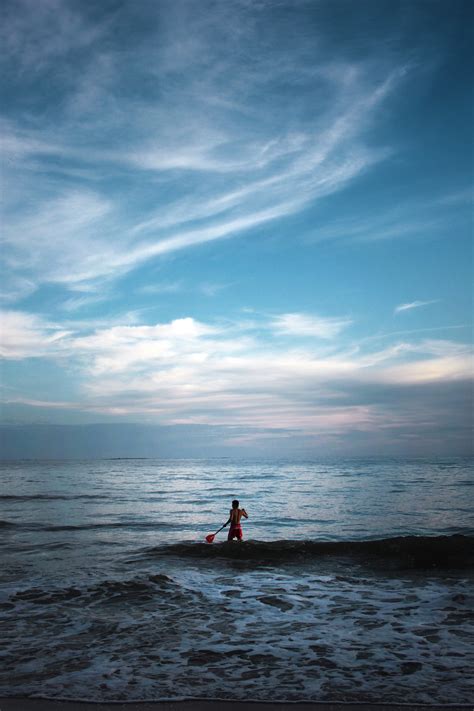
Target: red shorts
(235, 531)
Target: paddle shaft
(221, 528)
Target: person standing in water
(236, 514)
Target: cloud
(26, 335)
(306, 325)
(413, 305)
(413, 217)
(58, 238)
(14, 288)
(76, 303)
(34, 35)
(191, 372)
(128, 348)
(212, 159)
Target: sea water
(110, 593)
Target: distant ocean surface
(110, 593)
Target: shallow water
(105, 596)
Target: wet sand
(48, 705)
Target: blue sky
(247, 223)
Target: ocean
(354, 581)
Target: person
(235, 530)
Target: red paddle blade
(210, 537)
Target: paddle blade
(210, 537)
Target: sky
(238, 228)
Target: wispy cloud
(16, 287)
(412, 217)
(414, 305)
(34, 35)
(307, 325)
(76, 303)
(212, 288)
(26, 335)
(59, 238)
(226, 174)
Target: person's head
(235, 504)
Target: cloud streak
(307, 325)
(227, 174)
(413, 305)
(26, 335)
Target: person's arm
(244, 513)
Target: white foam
(249, 634)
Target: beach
(110, 596)
(199, 705)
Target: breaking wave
(104, 591)
(415, 551)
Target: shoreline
(38, 704)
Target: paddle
(211, 536)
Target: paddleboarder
(235, 516)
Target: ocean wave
(130, 525)
(105, 591)
(7, 524)
(57, 528)
(411, 551)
